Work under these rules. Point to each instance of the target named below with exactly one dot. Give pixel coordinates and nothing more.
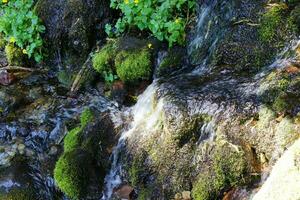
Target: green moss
(85, 117)
(271, 21)
(136, 170)
(71, 173)
(19, 194)
(14, 55)
(295, 16)
(132, 66)
(2, 41)
(72, 139)
(227, 170)
(145, 194)
(103, 59)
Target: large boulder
(72, 27)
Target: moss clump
(132, 66)
(73, 138)
(85, 117)
(103, 60)
(227, 170)
(14, 55)
(19, 194)
(125, 58)
(71, 173)
(271, 21)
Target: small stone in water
(6, 78)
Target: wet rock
(71, 26)
(6, 78)
(124, 192)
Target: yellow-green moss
(132, 66)
(19, 194)
(14, 55)
(103, 59)
(145, 194)
(71, 173)
(72, 139)
(227, 170)
(271, 20)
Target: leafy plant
(109, 77)
(22, 27)
(166, 20)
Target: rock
(186, 195)
(284, 180)
(124, 192)
(71, 26)
(53, 151)
(6, 78)
(21, 148)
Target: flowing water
(145, 117)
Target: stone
(186, 195)
(284, 179)
(71, 26)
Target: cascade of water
(146, 114)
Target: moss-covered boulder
(129, 59)
(227, 169)
(80, 170)
(71, 173)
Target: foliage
(133, 65)
(22, 27)
(166, 20)
(71, 173)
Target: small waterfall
(146, 115)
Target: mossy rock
(132, 66)
(14, 55)
(228, 167)
(129, 61)
(171, 62)
(295, 16)
(103, 59)
(19, 194)
(72, 139)
(71, 173)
